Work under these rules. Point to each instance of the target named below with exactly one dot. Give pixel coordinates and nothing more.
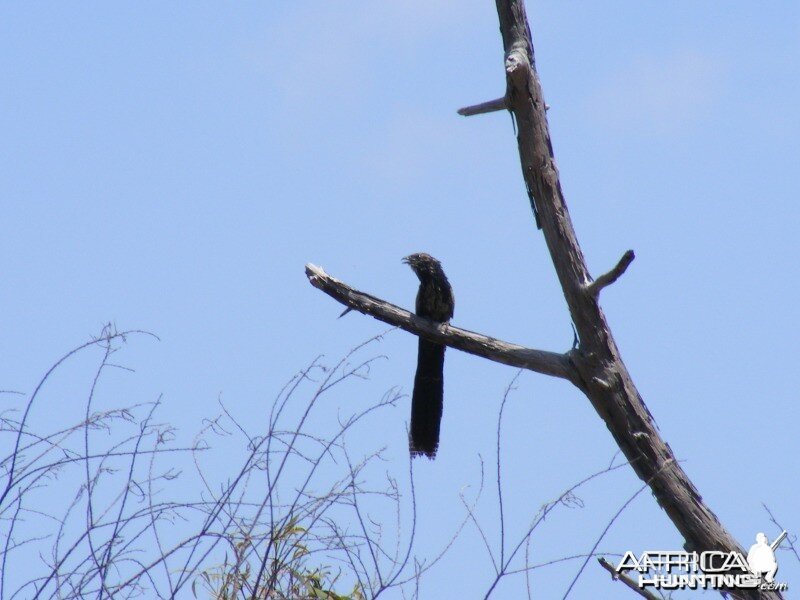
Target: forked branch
(608, 385)
(595, 366)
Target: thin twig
(626, 579)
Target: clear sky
(172, 167)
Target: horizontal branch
(484, 107)
(539, 361)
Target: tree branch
(607, 279)
(484, 107)
(626, 580)
(540, 361)
(608, 385)
(595, 366)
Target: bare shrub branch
(278, 524)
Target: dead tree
(594, 366)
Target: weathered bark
(607, 383)
(539, 361)
(595, 366)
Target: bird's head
(423, 264)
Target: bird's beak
(406, 260)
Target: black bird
(435, 302)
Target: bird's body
(435, 301)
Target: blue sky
(173, 167)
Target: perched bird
(435, 302)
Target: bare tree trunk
(606, 380)
(595, 366)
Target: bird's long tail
(427, 399)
